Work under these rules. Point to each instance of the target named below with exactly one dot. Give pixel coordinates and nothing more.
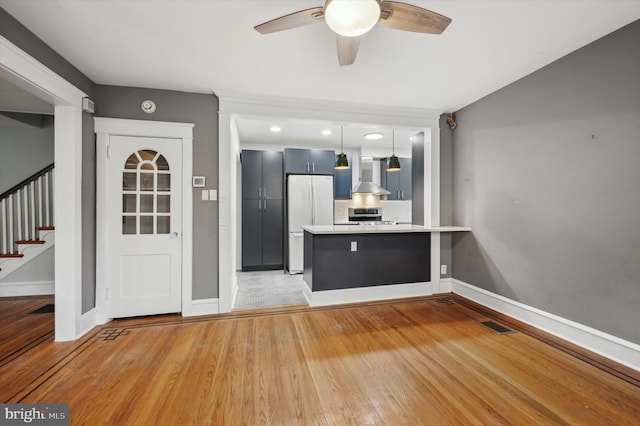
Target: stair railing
(26, 207)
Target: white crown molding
(316, 109)
(612, 347)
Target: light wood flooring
(424, 361)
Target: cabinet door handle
(259, 205)
(308, 167)
(402, 194)
(264, 204)
(265, 192)
(314, 167)
(259, 192)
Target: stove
(365, 214)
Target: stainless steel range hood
(366, 184)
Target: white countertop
(379, 229)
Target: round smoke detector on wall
(148, 106)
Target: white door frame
(106, 127)
(237, 104)
(29, 74)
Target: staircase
(26, 227)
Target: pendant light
(342, 162)
(394, 161)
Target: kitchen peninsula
(351, 263)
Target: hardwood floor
(411, 361)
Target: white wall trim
(26, 288)
(446, 285)
(107, 127)
(32, 76)
(200, 307)
(612, 347)
(143, 128)
(233, 105)
(317, 109)
(365, 294)
(89, 320)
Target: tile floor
(268, 289)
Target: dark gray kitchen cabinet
(397, 183)
(262, 234)
(309, 161)
(343, 182)
(262, 174)
(262, 210)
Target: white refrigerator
(309, 202)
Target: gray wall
(26, 146)
(19, 35)
(547, 173)
(124, 102)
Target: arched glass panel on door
(146, 194)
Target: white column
(67, 210)
(226, 273)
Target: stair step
(30, 242)
(45, 228)
(10, 255)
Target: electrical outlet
(443, 269)
(354, 246)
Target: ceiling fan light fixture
(351, 18)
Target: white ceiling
(207, 45)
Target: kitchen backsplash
(397, 210)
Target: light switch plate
(205, 195)
(213, 194)
(354, 246)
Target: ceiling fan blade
(293, 20)
(406, 17)
(347, 49)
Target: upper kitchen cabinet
(343, 182)
(309, 161)
(262, 175)
(397, 183)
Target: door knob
(174, 235)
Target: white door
(144, 218)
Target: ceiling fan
(350, 19)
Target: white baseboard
(366, 294)
(201, 307)
(445, 285)
(88, 320)
(28, 288)
(612, 347)
(234, 291)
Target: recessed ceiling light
(275, 129)
(326, 132)
(373, 136)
